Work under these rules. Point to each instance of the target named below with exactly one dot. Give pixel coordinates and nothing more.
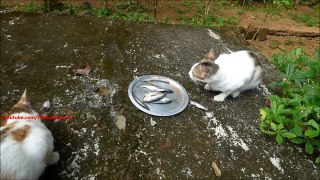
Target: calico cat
(26, 145)
(229, 73)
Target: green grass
(307, 19)
(274, 44)
(187, 3)
(32, 7)
(210, 21)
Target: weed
(288, 41)
(100, 12)
(187, 3)
(32, 7)
(2, 6)
(73, 9)
(240, 10)
(295, 115)
(180, 11)
(284, 3)
(307, 19)
(274, 44)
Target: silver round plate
(179, 96)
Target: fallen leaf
(216, 169)
(83, 70)
(152, 122)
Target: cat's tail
(256, 79)
(257, 74)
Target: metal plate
(180, 96)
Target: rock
(152, 122)
(138, 136)
(251, 33)
(95, 126)
(248, 33)
(262, 34)
(121, 122)
(84, 13)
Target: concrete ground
(38, 51)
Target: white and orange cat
(26, 145)
(230, 73)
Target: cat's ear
(210, 55)
(24, 100)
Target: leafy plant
(296, 114)
(213, 21)
(307, 19)
(285, 3)
(32, 7)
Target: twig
(20, 68)
(255, 34)
(207, 9)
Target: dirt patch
(259, 18)
(286, 24)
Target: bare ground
(256, 15)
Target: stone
(152, 122)
(121, 122)
(262, 34)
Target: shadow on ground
(38, 51)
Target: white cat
(26, 145)
(229, 73)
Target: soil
(256, 19)
(253, 16)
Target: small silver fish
(46, 106)
(164, 100)
(156, 79)
(198, 105)
(153, 87)
(141, 103)
(153, 96)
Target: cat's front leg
(235, 94)
(53, 158)
(207, 87)
(220, 97)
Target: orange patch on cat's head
(21, 133)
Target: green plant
(307, 19)
(73, 9)
(296, 114)
(32, 7)
(240, 10)
(274, 44)
(213, 21)
(187, 3)
(100, 12)
(180, 11)
(285, 3)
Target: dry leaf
(216, 169)
(83, 70)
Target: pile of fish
(155, 93)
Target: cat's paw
(207, 87)
(54, 158)
(235, 94)
(219, 98)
